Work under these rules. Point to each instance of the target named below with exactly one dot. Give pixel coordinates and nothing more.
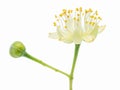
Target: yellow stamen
(64, 13)
(69, 11)
(91, 16)
(86, 11)
(80, 9)
(96, 12)
(74, 18)
(77, 9)
(91, 23)
(55, 16)
(78, 14)
(78, 19)
(65, 21)
(68, 16)
(94, 17)
(99, 18)
(64, 10)
(65, 26)
(61, 15)
(90, 10)
(54, 23)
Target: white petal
(101, 28)
(77, 36)
(90, 37)
(59, 32)
(53, 35)
(67, 37)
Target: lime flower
(76, 26)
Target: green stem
(73, 65)
(45, 64)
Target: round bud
(17, 49)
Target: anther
(54, 23)
(77, 9)
(99, 18)
(65, 26)
(80, 9)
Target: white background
(30, 21)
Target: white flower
(76, 26)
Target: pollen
(96, 12)
(68, 16)
(69, 11)
(65, 21)
(92, 16)
(86, 11)
(55, 16)
(78, 14)
(54, 23)
(61, 15)
(65, 26)
(92, 23)
(77, 9)
(90, 10)
(74, 18)
(64, 10)
(80, 9)
(99, 18)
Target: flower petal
(67, 37)
(90, 37)
(53, 35)
(101, 28)
(77, 36)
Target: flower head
(77, 25)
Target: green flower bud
(17, 49)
